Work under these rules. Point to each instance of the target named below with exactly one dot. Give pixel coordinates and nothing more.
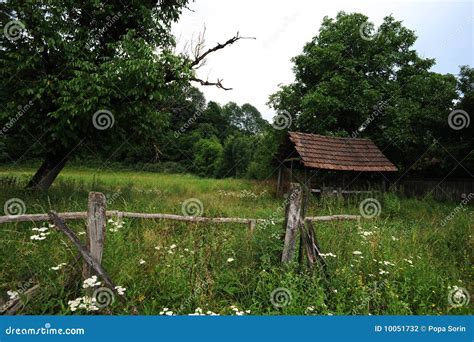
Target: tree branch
(200, 57)
(199, 60)
(218, 84)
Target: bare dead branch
(197, 49)
(218, 83)
(199, 58)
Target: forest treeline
(352, 79)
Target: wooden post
(95, 237)
(304, 201)
(252, 224)
(293, 217)
(279, 180)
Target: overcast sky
(255, 68)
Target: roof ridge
(329, 136)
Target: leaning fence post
(95, 236)
(85, 254)
(293, 216)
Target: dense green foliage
(63, 62)
(69, 60)
(209, 139)
(353, 80)
(408, 262)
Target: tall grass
(405, 260)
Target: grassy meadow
(403, 262)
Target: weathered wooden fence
(441, 189)
(96, 216)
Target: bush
(208, 157)
(236, 156)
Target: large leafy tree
(96, 72)
(460, 140)
(73, 59)
(246, 119)
(466, 88)
(354, 80)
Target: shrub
(207, 157)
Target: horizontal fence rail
(333, 218)
(119, 214)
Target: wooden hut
(332, 164)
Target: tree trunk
(48, 171)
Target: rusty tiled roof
(334, 153)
